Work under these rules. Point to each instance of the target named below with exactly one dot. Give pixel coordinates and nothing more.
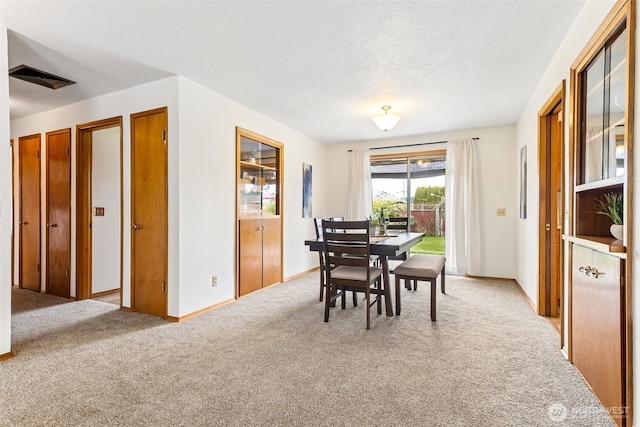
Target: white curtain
(462, 228)
(359, 205)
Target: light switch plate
(501, 212)
(98, 212)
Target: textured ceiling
(320, 67)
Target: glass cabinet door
(258, 176)
(604, 100)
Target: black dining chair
(375, 259)
(323, 265)
(401, 225)
(317, 222)
(348, 267)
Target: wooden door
(556, 215)
(271, 251)
(149, 206)
(29, 217)
(551, 216)
(58, 214)
(83, 212)
(250, 256)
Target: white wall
(207, 193)
(589, 19)
(122, 103)
(202, 200)
(5, 200)
(105, 193)
(584, 27)
(496, 150)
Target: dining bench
(425, 267)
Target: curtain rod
(475, 138)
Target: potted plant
(613, 207)
(252, 156)
(374, 224)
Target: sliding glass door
(412, 185)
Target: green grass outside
(429, 245)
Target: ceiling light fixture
(386, 121)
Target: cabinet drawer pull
(595, 273)
(586, 270)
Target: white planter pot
(617, 231)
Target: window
(412, 185)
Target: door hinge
(164, 136)
(66, 272)
(38, 154)
(164, 287)
(38, 268)
(68, 151)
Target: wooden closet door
(271, 251)
(149, 205)
(58, 213)
(29, 217)
(250, 255)
(597, 315)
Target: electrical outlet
(501, 212)
(214, 281)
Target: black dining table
(384, 247)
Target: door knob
(23, 223)
(52, 225)
(137, 226)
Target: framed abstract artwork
(523, 182)
(306, 190)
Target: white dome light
(386, 121)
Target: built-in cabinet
(600, 168)
(598, 313)
(259, 253)
(259, 211)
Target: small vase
(617, 231)
(251, 160)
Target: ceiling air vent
(32, 75)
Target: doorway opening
(99, 210)
(551, 209)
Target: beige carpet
(268, 359)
